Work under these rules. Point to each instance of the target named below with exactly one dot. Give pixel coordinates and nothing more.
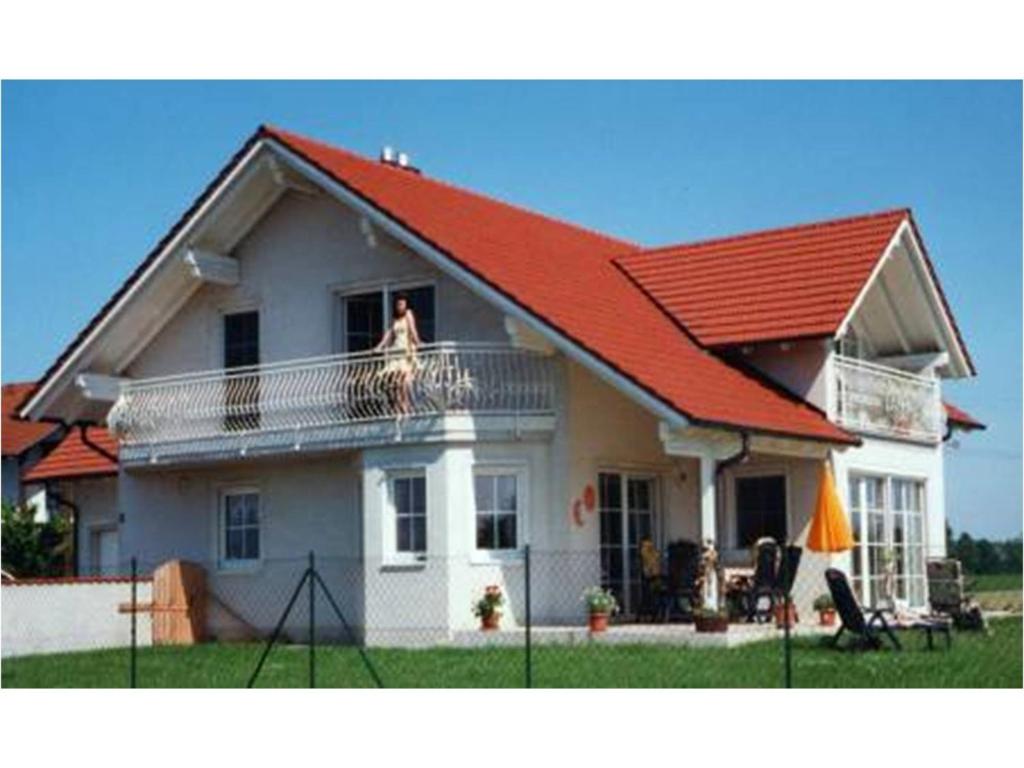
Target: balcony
(335, 401)
(877, 400)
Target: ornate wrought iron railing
(874, 399)
(334, 391)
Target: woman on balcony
(399, 344)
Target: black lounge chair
(868, 631)
(760, 595)
(681, 590)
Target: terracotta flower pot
(827, 617)
(489, 622)
(598, 622)
(780, 615)
(714, 623)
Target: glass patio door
(887, 517)
(628, 512)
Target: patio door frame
(862, 588)
(625, 476)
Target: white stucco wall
(306, 503)
(293, 265)
(71, 616)
(800, 367)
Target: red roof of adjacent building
(84, 451)
(19, 435)
(961, 418)
(778, 284)
(566, 276)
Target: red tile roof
(19, 435)
(566, 276)
(961, 418)
(778, 284)
(78, 455)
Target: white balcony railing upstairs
(875, 399)
(334, 391)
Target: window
(760, 509)
(887, 517)
(365, 316)
(240, 515)
(241, 339)
(241, 390)
(628, 515)
(498, 504)
(409, 506)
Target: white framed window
(240, 526)
(365, 313)
(499, 496)
(887, 514)
(406, 531)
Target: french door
(887, 517)
(628, 515)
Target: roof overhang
(251, 183)
(903, 308)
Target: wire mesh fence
(520, 619)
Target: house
(79, 477)
(575, 391)
(23, 444)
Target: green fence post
(135, 614)
(312, 621)
(529, 619)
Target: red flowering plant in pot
(487, 608)
(826, 610)
(601, 604)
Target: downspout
(75, 515)
(737, 458)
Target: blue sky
(95, 173)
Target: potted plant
(710, 620)
(826, 610)
(600, 605)
(487, 608)
(785, 612)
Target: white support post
(707, 517)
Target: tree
(30, 549)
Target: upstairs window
(366, 315)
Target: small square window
(498, 507)
(241, 526)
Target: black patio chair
(947, 595)
(681, 588)
(760, 594)
(789, 564)
(867, 632)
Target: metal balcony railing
(878, 400)
(333, 391)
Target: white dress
(400, 353)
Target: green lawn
(976, 660)
(994, 582)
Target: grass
(976, 660)
(994, 582)
(997, 591)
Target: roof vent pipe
(387, 155)
(403, 159)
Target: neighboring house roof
(19, 435)
(774, 285)
(84, 451)
(565, 276)
(961, 418)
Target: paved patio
(636, 634)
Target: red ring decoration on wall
(589, 498)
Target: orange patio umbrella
(830, 528)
